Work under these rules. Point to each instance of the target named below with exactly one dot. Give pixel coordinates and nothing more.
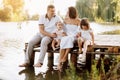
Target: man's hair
(50, 6)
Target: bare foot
(60, 66)
(63, 60)
(24, 65)
(38, 65)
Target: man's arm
(42, 31)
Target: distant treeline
(95, 10)
(12, 10)
(99, 10)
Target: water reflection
(50, 74)
(29, 73)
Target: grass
(71, 73)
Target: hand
(53, 35)
(64, 34)
(93, 43)
(78, 35)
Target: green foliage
(71, 74)
(105, 10)
(117, 9)
(85, 8)
(94, 73)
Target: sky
(39, 6)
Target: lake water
(14, 35)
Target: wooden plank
(105, 49)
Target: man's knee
(31, 43)
(45, 41)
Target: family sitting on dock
(62, 33)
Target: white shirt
(49, 25)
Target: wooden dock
(92, 50)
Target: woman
(72, 23)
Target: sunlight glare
(39, 6)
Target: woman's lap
(67, 42)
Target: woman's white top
(68, 41)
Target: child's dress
(85, 35)
(59, 34)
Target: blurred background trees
(12, 10)
(99, 10)
(95, 10)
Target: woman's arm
(92, 35)
(78, 35)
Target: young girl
(60, 33)
(85, 37)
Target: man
(46, 27)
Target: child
(85, 37)
(60, 33)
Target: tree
(116, 4)
(101, 10)
(6, 14)
(85, 8)
(15, 9)
(105, 10)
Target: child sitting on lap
(59, 33)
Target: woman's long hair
(72, 12)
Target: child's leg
(86, 43)
(80, 41)
(66, 55)
(62, 53)
(53, 44)
(58, 43)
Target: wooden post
(50, 60)
(32, 59)
(89, 58)
(73, 59)
(88, 62)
